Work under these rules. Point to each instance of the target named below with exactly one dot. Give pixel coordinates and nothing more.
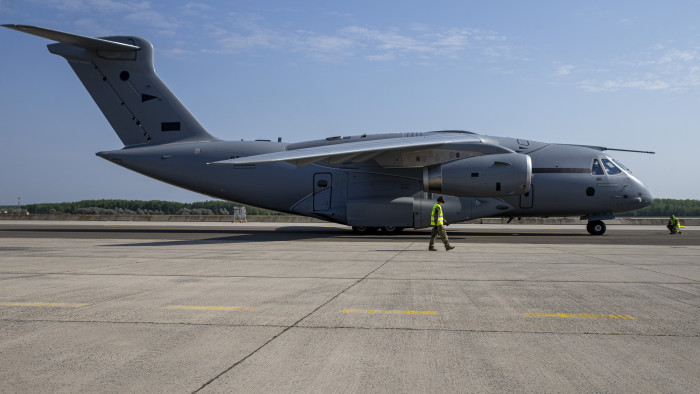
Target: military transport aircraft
(370, 182)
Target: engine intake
(497, 175)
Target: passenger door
(322, 191)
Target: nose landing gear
(596, 227)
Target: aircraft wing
(389, 149)
(603, 148)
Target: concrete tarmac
(115, 307)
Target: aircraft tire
(596, 227)
(392, 230)
(362, 230)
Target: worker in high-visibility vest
(674, 226)
(438, 223)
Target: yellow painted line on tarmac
(210, 308)
(579, 315)
(388, 312)
(47, 304)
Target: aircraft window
(610, 167)
(597, 169)
(624, 167)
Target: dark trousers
(439, 230)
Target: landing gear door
(421, 212)
(322, 191)
(527, 198)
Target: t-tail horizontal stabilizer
(95, 44)
(118, 73)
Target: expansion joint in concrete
(302, 319)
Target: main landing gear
(388, 230)
(596, 227)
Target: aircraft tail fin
(119, 75)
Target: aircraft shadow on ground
(197, 236)
(325, 234)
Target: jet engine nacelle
(497, 175)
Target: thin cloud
(91, 27)
(139, 13)
(677, 56)
(199, 10)
(386, 40)
(254, 38)
(229, 33)
(387, 57)
(102, 6)
(198, 6)
(564, 70)
(164, 24)
(615, 85)
(417, 42)
(327, 48)
(660, 69)
(176, 52)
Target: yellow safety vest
(674, 222)
(436, 218)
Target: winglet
(90, 43)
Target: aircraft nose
(643, 196)
(649, 197)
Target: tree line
(137, 207)
(667, 206)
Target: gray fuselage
(367, 194)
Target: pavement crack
(302, 319)
(141, 322)
(595, 257)
(529, 280)
(286, 328)
(19, 276)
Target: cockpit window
(610, 167)
(624, 167)
(597, 169)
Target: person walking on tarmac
(438, 223)
(674, 226)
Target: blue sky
(623, 74)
